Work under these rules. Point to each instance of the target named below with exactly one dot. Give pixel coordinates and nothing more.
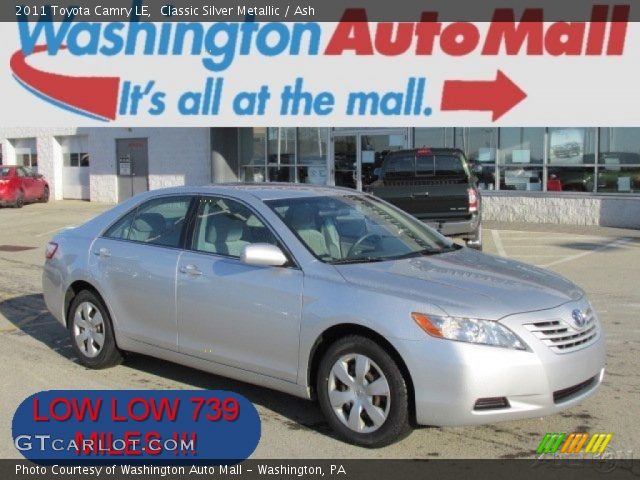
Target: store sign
(432, 83)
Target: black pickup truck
(435, 185)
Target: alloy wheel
(359, 393)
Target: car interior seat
(147, 227)
(301, 218)
(225, 234)
(331, 237)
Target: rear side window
(158, 222)
(400, 164)
(449, 165)
(4, 172)
(120, 229)
(426, 165)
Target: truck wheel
(475, 242)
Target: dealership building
(583, 176)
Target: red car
(19, 185)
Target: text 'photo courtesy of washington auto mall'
(309, 240)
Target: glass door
(345, 161)
(357, 155)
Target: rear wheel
(19, 203)
(91, 332)
(363, 393)
(45, 195)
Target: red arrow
(498, 96)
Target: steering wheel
(360, 241)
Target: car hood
(466, 283)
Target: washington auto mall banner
(94, 66)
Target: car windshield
(4, 172)
(357, 229)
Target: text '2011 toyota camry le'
(325, 293)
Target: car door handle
(420, 194)
(190, 270)
(102, 253)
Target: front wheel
(363, 393)
(45, 195)
(91, 332)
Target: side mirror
(263, 255)
(377, 172)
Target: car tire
(19, 203)
(45, 195)
(389, 418)
(91, 332)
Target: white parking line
(615, 243)
(498, 243)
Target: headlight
(471, 330)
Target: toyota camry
(326, 294)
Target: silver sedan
(330, 294)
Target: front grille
(561, 337)
(567, 393)
(491, 403)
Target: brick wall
(602, 210)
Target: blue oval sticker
(124, 425)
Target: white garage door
(75, 167)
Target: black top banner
(319, 10)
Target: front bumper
(450, 377)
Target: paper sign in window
(521, 156)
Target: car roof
(262, 191)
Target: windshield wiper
(346, 261)
(428, 252)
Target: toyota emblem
(579, 318)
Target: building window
(480, 145)
(26, 153)
(253, 148)
(74, 151)
(312, 155)
(433, 137)
(619, 160)
(281, 154)
(571, 159)
(284, 155)
(521, 156)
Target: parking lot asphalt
(35, 353)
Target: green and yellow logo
(574, 443)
